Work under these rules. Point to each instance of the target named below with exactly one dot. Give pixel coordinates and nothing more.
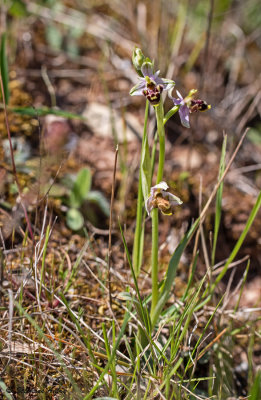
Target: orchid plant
(151, 86)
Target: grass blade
(145, 168)
(143, 311)
(111, 359)
(171, 272)
(174, 261)
(255, 393)
(42, 111)
(219, 199)
(4, 68)
(4, 389)
(75, 267)
(50, 345)
(239, 242)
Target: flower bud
(138, 59)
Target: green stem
(161, 132)
(138, 237)
(155, 214)
(169, 114)
(154, 259)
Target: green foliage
(141, 307)
(239, 243)
(17, 9)
(219, 199)
(137, 253)
(5, 390)
(171, 272)
(80, 194)
(54, 37)
(198, 14)
(254, 134)
(43, 337)
(95, 197)
(255, 393)
(74, 219)
(145, 168)
(4, 68)
(163, 363)
(81, 187)
(112, 357)
(252, 16)
(42, 111)
(61, 36)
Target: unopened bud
(138, 60)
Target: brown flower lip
(162, 199)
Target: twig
(216, 339)
(49, 85)
(218, 268)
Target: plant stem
(154, 259)
(138, 238)
(155, 214)
(161, 132)
(169, 114)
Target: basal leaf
(81, 188)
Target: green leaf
(40, 112)
(17, 9)
(145, 169)
(239, 242)
(74, 219)
(254, 134)
(54, 37)
(4, 68)
(5, 390)
(81, 188)
(219, 199)
(137, 253)
(99, 199)
(255, 393)
(171, 272)
(143, 311)
(55, 190)
(111, 359)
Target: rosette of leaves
(84, 202)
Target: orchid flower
(188, 105)
(160, 198)
(151, 85)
